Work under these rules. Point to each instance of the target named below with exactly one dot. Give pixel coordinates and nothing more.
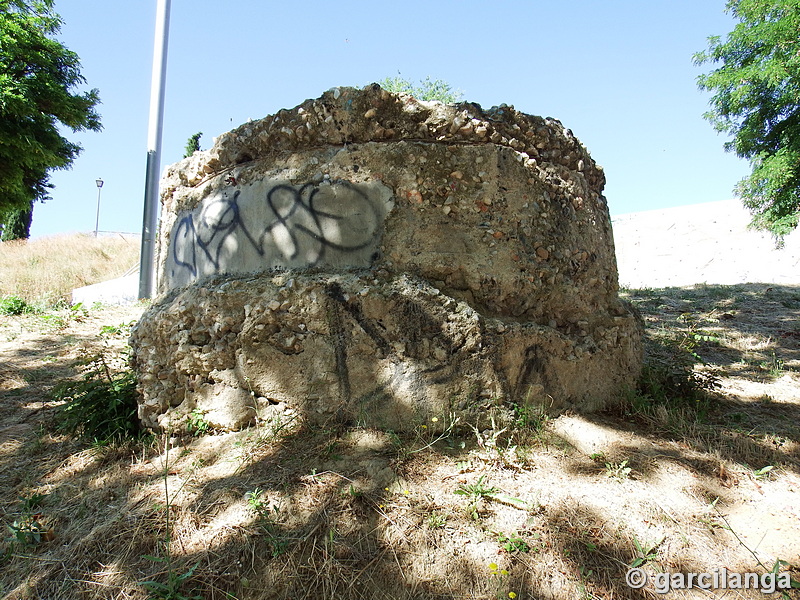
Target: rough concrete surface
(369, 257)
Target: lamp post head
(99, 182)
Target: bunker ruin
(374, 259)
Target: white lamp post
(99, 183)
(150, 217)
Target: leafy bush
(102, 406)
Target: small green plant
(172, 589)
(33, 501)
(499, 581)
(425, 436)
(353, 492)
(267, 517)
(619, 470)
(512, 543)
(14, 305)
(196, 423)
(794, 584)
(598, 457)
(774, 366)
(428, 436)
(645, 554)
(763, 472)
(102, 405)
(123, 329)
(175, 582)
(436, 520)
(692, 335)
(78, 311)
(29, 529)
(426, 90)
(669, 379)
(53, 321)
(475, 493)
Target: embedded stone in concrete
(384, 352)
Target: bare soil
(557, 508)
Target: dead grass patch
(286, 510)
(44, 271)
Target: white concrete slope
(701, 243)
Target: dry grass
(44, 271)
(285, 510)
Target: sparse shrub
(428, 89)
(14, 305)
(101, 406)
(669, 379)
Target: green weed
(436, 520)
(512, 543)
(763, 473)
(121, 330)
(172, 589)
(774, 366)
(30, 528)
(175, 582)
(196, 423)
(645, 554)
(619, 471)
(14, 305)
(476, 491)
(101, 406)
(267, 518)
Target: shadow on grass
(338, 523)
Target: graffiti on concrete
(273, 224)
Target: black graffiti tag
(312, 220)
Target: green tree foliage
(38, 75)
(756, 88)
(17, 224)
(193, 144)
(426, 90)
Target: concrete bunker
(374, 259)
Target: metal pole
(99, 183)
(150, 218)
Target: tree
(38, 75)
(193, 144)
(757, 100)
(426, 90)
(17, 225)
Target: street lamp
(99, 183)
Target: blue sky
(619, 73)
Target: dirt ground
(557, 508)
